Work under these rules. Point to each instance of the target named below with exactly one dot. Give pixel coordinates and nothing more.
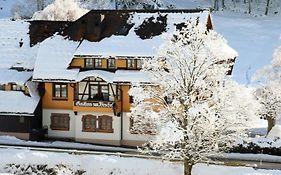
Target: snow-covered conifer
(192, 107)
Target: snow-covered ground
(10, 140)
(113, 165)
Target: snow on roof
(17, 103)
(11, 34)
(118, 76)
(54, 56)
(105, 75)
(118, 46)
(131, 76)
(132, 45)
(13, 76)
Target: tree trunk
(250, 6)
(187, 167)
(267, 7)
(270, 124)
(222, 4)
(216, 5)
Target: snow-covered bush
(194, 107)
(61, 10)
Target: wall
(132, 139)
(50, 103)
(57, 133)
(98, 137)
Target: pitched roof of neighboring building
(108, 33)
(17, 103)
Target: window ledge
(58, 98)
(60, 129)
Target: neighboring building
(87, 67)
(20, 108)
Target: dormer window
(2, 87)
(89, 63)
(111, 63)
(93, 63)
(131, 64)
(16, 87)
(98, 63)
(134, 63)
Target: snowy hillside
(254, 38)
(5, 8)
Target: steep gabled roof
(128, 33)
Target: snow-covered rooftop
(11, 34)
(53, 58)
(119, 76)
(132, 45)
(17, 103)
(13, 76)
(55, 53)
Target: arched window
(89, 123)
(105, 123)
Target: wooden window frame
(99, 88)
(107, 130)
(60, 97)
(14, 87)
(90, 117)
(137, 64)
(86, 63)
(2, 87)
(95, 63)
(108, 65)
(63, 116)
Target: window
(131, 99)
(99, 92)
(89, 63)
(98, 63)
(111, 63)
(21, 120)
(2, 87)
(60, 121)
(60, 91)
(139, 64)
(93, 63)
(134, 63)
(131, 63)
(105, 123)
(89, 123)
(16, 87)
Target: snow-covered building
(20, 109)
(87, 67)
(84, 70)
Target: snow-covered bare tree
(139, 4)
(192, 107)
(269, 94)
(26, 8)
(61, 10)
